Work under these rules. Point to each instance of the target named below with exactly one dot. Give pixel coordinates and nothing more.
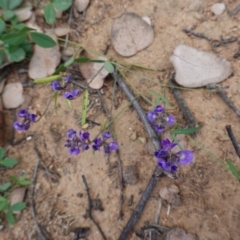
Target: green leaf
(84, 107)
(185, 131)
(14, 20)
(2, 26)
(14, 179)
(3, 199)
(49, 13)
(1, 60)
(5, 186)
(62, 5)
(25, 182)
(14, 3)
(18, 206)
(8, 14)
(69, 62)
(47, 79)
(3, 205)
(8, 162)
(60, 68)
(2, 153)
(15, 38)
(233, 169)
(109, 67)
(10, 217)
(26, 46)
(15, 54)
(42, 40)
(4, 4)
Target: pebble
(195, 68)
(133, 136)
(179, 234)
(17, 196)
(218, 8)
(142, 140)
(13, 95)
(81, 5)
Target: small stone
(69, 51)
(175, 199)
(173, 188)
(179, 234)
(81, 5)
(142, 140)
(147, 20)
(195, 68)
(164, 193)
(150, 147)
(23, 13)
(130, 34)
(130, 175)
(85, 126)
(218, 8)
(133, 136)
(13, 95)
(60, 31)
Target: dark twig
(31, 197)
(120, 174)
(237, 54)
(235, 11)
(155, 140)
(224, 97)
(217, 43)
(196, 34)
(182, 104)
(89, 209)
(233, 139)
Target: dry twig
(233, 139)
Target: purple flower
(56, 86)
(159, 119)
(70, 95)
(76, 143)
(68, 79)
(169, 161)
(107, 146)
(26, 119)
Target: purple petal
(70, 133)
(85, 135)
(162, 163)
(107, 135)
(159, 129)
(166, 143)
(74, 151)
(71, 94)
(159, 109)
(32, 117)
(20, 126)
(113, 146)
(56, 86)
(151, 116)
(170, 119)
(185, 157)
(161, 153)
(68, 79)
(97, 144)
(85, 147)
(23, 113)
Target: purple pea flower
(169, 161)
(77, 142)
(107, 146)
(159, 119)
(56, 86)
(70, 95)
(26, 119)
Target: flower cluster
(169, 161)
(107, 146)
(77, 142)
(70, 95)
(159, 119)
(26, 119)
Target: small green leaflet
(4, 4)
(2, 153)
(8, 14)
(8, 162)
(10, 217)
(42, 40)
(15, 38)
(85, 60)
(84, 107)
(62, 5)
(69, 62)
(233, 169)
(18, 206)
(49, 13)
(15, 54)
(2, 26)
(185, 131)
(108, 66)
(3, 205)
(5, 186)
(13, 3)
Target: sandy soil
(209, 192)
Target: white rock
(130, 34)
(195, 68)
(81, 5)
(60, 31)
(147, 20)
(44, 61)
(13, 95)
(218, 8)
(24, 13)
